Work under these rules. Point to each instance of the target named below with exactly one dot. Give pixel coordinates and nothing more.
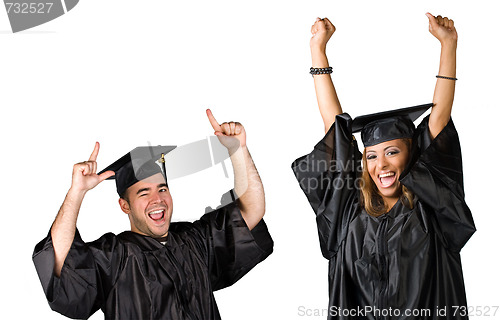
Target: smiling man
(150, 210)
(158, 269)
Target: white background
(126, 73)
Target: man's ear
(124, 205)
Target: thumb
(432, 19)
(105, 175)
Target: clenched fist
(442, 28)
(321, 31)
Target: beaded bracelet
(448, 78)
(314, 71)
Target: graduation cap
(384, 126)
(137, 165)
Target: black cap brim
(136, 165)
(411, 112)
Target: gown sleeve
(328, 177)
(233, 249)
(436, 177)
(85, 276)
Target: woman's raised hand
(442, 28)
(321, 31)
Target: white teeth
(155, 212)
(388, 174)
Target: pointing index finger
(213, 122)
(93, 156)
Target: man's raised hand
(231, 134)
(84, 173)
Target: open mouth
(157, 215)
(387, 179)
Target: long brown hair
(371, 199)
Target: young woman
(392, 227)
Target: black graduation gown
(131, 276)
(406, 263)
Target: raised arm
(328, 102)
(64, 226)
(444, 30)
(247, 184)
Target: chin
(393, 192)
(159, 232)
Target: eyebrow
(142, 190)
(161, 185)
(390, 146)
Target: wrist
(449, 44)
(236, 151)
(319, 60)
(76, 193)
(318, 49)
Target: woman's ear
(124, 205)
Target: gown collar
(145, 242)
(396, 210)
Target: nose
(381, 162)
(155, 197)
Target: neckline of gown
(148, 243)
(395, 210)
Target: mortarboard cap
(388, 125)
(137, 165)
